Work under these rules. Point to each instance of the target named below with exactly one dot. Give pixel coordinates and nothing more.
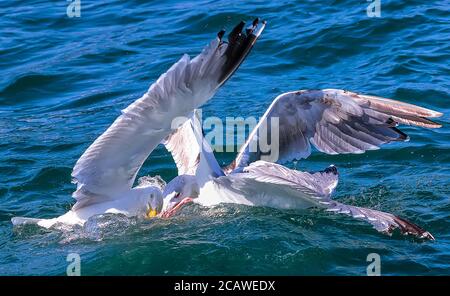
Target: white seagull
(333, 121)
(107, 170)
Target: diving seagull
(334, 121)
(107, 170)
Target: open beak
(151, 213)
(172, 211)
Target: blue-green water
(64, 80)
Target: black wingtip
(220, 34)
(239, 46)
(402, 135)
(236, 32)
(393, 125)
(251, 28)
(409, 228)
(331, 170)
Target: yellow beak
(152, 213)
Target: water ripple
(66, 79)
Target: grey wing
(332, 120)
(109, 166)
(381, 221)
(318, 187)
(273, 185)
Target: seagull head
(181, 190)
(153, 202)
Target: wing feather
(109, 166)
(185, 148)
(334, 121)
(317, 185)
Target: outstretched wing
(332, 120)
(111, 163)
(381, 221)
(318, 187)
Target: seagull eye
(177, 195)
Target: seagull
(334, 121)
(107, 170)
